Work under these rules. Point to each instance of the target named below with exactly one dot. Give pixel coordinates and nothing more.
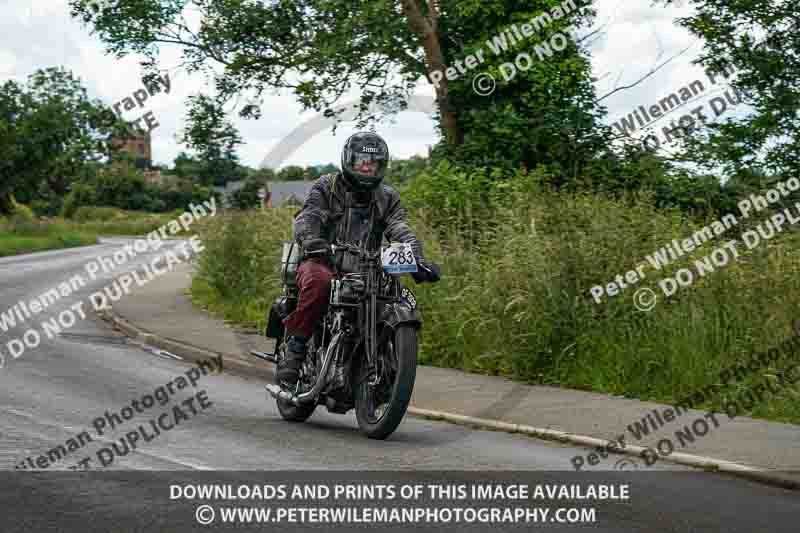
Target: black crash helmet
(365, 158)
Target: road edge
(193, 353)
(239, 367)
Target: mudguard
(394, 315)
(399, 313)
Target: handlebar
(356, 250)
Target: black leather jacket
(332, 212)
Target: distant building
(138, 146)
(287, 193)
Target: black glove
(428, 272)
(316, 248)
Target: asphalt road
(54, 393)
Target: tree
(214, 138)
(323, 49)
(292, 173)
(188, 167)
(10, 113)
(328, 168)
(402, 170)
(311, 173)
(759, 41)
(262, 175)
(51, 134)
(542, 110)
(247, 196)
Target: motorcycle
(363, 353)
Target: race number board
(399, 258)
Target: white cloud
(8, 64)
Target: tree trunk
(425, 28)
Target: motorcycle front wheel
(381, 407)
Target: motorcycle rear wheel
(378, 417)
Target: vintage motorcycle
(363, 354)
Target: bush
(127, 190)
(241, 260)
(247, 196)
(47, 207)
(22, 213)
(81, 194)
(95, 213)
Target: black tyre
(381, 408)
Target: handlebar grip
(316, 253)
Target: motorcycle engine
(339, 397)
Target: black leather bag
(280, 310)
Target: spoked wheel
(291, 412)
(382, 396)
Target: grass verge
(15, 244)
(23, 233)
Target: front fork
(371, 333)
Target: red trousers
(314, 281)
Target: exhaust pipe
(279, 394)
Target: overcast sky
(40, 33)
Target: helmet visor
(367, 165)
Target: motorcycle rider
(349, 207)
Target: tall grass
(239, 270)
(515, 296)
(114, 221)
(24, 233)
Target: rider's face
(368, 168)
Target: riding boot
(289, 367)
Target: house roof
(283, 191)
